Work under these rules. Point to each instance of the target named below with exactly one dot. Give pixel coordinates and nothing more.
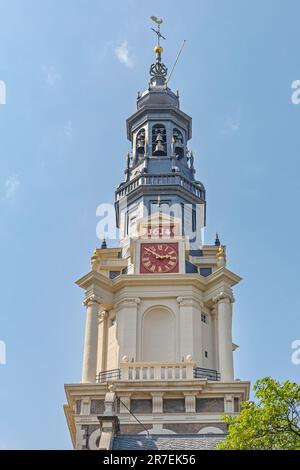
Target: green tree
(271, 422)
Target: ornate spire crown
(158, 70)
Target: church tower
(158, 351)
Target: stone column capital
(92, 299)
(103, 315)
(224, 297)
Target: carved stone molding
(189, 302)
(103, 315)
(92, 299)
(129, 302)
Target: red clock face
(159, 258)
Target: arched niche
(158, 335)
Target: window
(182, 218)
(205, 272)
(236, 404)
(113, 274)
(205, 353)
(203, 318)
(194, 219)
(161, 206)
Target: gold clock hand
(153, 252)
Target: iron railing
(209, 374)
(107, 375)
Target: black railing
(209, 374)
(114, 374)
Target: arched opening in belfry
(177, 142)
(140, 143)
(159, 140)
(158, 335)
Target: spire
(217, 241)
(104, 244)
(158, 70)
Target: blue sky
(72, 71)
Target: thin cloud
(11, 186)
(123, 55)
(68, 131)
(51, 75)
(231, 126)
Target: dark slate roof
(166, 442)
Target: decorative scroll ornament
(158, 69)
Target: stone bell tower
(158, 340)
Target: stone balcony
(150, 371)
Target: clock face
(158, 258)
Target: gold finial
(221, 252)
(158, 50)
(221, 257)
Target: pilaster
(157, 402)
(126, 312)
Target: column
(89, 369)
(102, 341)
(224, 306)
(127, 311)
(190, 336)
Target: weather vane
(157, 31)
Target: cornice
(150, 112)
(185, 301)
(93, 277)
(73, 391)
(112, 286)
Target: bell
(177, 139)
(159, 147)
(140, 144)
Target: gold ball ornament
(158, 49)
